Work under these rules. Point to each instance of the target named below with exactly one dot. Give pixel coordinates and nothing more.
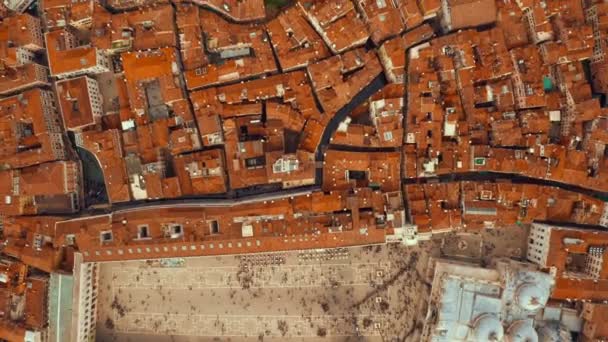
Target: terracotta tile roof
(234, 52)
(29, 291)
(19, 78)
(568, 284)
(475, 205)
(499, 98)
(305, 221)
(429, 8)
(107, 148)
(58, 14)
(150, 28)
(383, 119)
(130, 4)
(49, 179)
(30, 130)
(52, 187)
(333, 86)
(331, 20)
(76, 102)
(257, 151)
(21, 30)
(294, 40)
(311, 135)
(350, 170)
(36, 302)
(21, 233)
(190, 36)
(509, 19)
(65, 57)
(236, 10)
(392, 52)
(289, 117)
(383, 19)
(201, 172)
(141, 67)
(594, 319)
(470, 13)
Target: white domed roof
(487, 327)
(531, 297)
(522, 331)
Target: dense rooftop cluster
(475, 104)
(472, 206)
(25, 295)
(139, 129)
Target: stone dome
(522, 331)
(487, 327)
(531, 297)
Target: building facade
(84, 300)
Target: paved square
(372, 292)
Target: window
(359, 175)
(147, 25)
(176, 231)
(106, 236)
(75, 106)
(214, 227)
(38, 242)
(479, 161)
(143, 232)
(278, 166)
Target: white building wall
(103, 61)
(58, 146)
(102, 65)
(18, 5)
(51, 118)
(594, 262)
(24, 56)
(604, 217)
(37, 38)
(84, 315)
(95, 97)
(41, 79)
(538, 244)
(388, 66)
(70, 40)
(445, 16)
(598, 48)
(42, 74)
